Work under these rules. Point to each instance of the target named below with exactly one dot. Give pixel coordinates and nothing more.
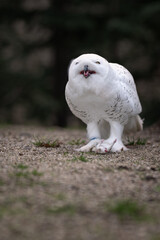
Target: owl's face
(88, 66)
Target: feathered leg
(93, 135)
(114, 142)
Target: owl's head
(88, 66)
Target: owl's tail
(135, 124)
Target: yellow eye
(98, 62)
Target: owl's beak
(86, 72)
(85, 68)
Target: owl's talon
(89, 146)
(107, 146)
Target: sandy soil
(59, 194)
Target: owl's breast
(87, 106)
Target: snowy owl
(104, 96)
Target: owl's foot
(110, 146)
(88, 147)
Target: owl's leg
(94, 137)
(114, 142)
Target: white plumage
(104, 96)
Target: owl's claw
(103, 146)
(106, 150)
(88, 147)
(106, 146)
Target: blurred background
(38, 39)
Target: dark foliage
(39, 38)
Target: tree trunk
(60, 49)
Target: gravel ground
(52, 192)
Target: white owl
(104, 96)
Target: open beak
(86, 72)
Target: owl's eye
(76, 63)
(98, 62)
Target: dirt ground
(52, 192)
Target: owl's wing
(123, 75)
(126, 90)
